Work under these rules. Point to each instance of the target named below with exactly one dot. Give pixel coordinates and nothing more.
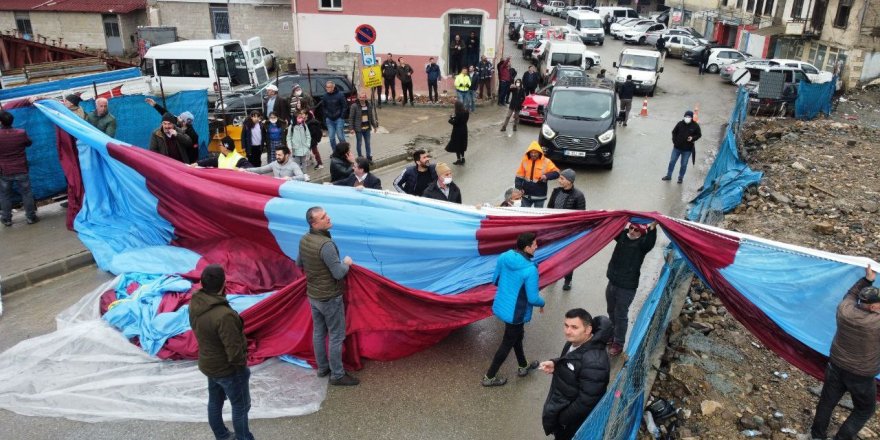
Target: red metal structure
(16, 53)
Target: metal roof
(98, 6)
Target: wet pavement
(436, 394)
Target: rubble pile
(820, 190)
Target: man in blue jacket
(516, 276)
(335, 105)
(432, 70)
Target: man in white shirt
(282, 167)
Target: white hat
(272, 87)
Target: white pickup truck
(554, 8)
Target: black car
(239, 105)
(579, 122)
(692, 56)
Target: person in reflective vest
(227, 159)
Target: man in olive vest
(319, 258)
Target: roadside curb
(45, 272)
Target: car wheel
(713, 68)
(642, 40)
(609, 165)
(653, 89)
(601, 42)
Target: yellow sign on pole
(372, 76)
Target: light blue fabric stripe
(118, 212)
(798, 292)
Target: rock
(708, 407)
(759, 421)
(790, 137)
(824, 228)
(779, 198)
(866, 433)
(747, 423)
(852, 143)
(702, 327)
(870, 207)
(800, 167)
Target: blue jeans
(528, 202)
(471, 103)
(328, 317)
(685, 156)
(235, 388)
(365, 135)
(27, 197)
(463, 97)
(503, 91)
(335, 128)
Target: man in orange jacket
(532, 176)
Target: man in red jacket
(14, 168)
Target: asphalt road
(436, 394)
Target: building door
(463, 25)
(220, 22)
(111, 35)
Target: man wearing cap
(185, 123)
(228, 159)
(72, 101)
(325, 273)
(854, 360)
(168, 140)
(566, 196)
(685, 133)
(222, 354)
(275, 103)
(102, 119)
(443, 188)
(623, 274)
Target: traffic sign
(741, 76)
(368, 55)
(365, 35)
(372, 76)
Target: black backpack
(512, 74)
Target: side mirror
(661, 70)
(614, 64)
(541, 109)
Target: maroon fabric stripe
(68, 156)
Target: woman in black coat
(459, 139)
(340, 162)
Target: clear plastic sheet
(88, 371)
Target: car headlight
(648, 82)
(220, 105)
(547, 132)
(620, 78)
(607, 136)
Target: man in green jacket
(319, 259)
(102, 119)
(222, 354)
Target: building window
(23, 24)
(797, 8)
(111, 29)
(739, 4)
(768, 8)
(750, 6)
(842, 16)
(333, 5)
(220, 21)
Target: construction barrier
(813, 99)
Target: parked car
(528, 49)
(561, 71)
(816, 75)
(529, 112)
(643, 65)
(636, 35)
(587, 25)
(727, 71)
(692, 56)
(527, 32)
(238, 105)
(720, 57)
(781, 104)
(676, 45)
(618, 28)
(651, 37)
(580, 122)
(537, 5)
(553, 7)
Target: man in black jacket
(626, 92)
(415, 178)
(222, 353)
(404, 72)
(443, 188)
(361, 177)
(704, 59)
(335, 106)
(580, 374)
(685, 133)
(566, 196)
(530, 80)
(389, 73)
(623, 274)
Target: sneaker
(31, 221)
(624, 124)
(615, 349)
(680, 179)
(324, 373)
(666, 178)
(319, 167)
(524, 371)
(345, 381)
(496, 381)
(566, 286)
(7, 222)
(503, 128)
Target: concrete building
(97, 24)
(415, 30)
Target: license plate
(575, 153)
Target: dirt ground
(820, 190)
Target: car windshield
(694, 33)
(568, 73)
(639, 62)
(581, 104)
(591, 23)
(566, 59)
(642, 27)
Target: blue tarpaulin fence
(814, 99)
(136, 121)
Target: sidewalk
(35, 253)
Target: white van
(213, 65)
(617, 12)
(643, 65)
(566, 53)
(588, 25)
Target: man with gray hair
(854, 360)
(102, 119)
(566, 196)
(319, 259)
